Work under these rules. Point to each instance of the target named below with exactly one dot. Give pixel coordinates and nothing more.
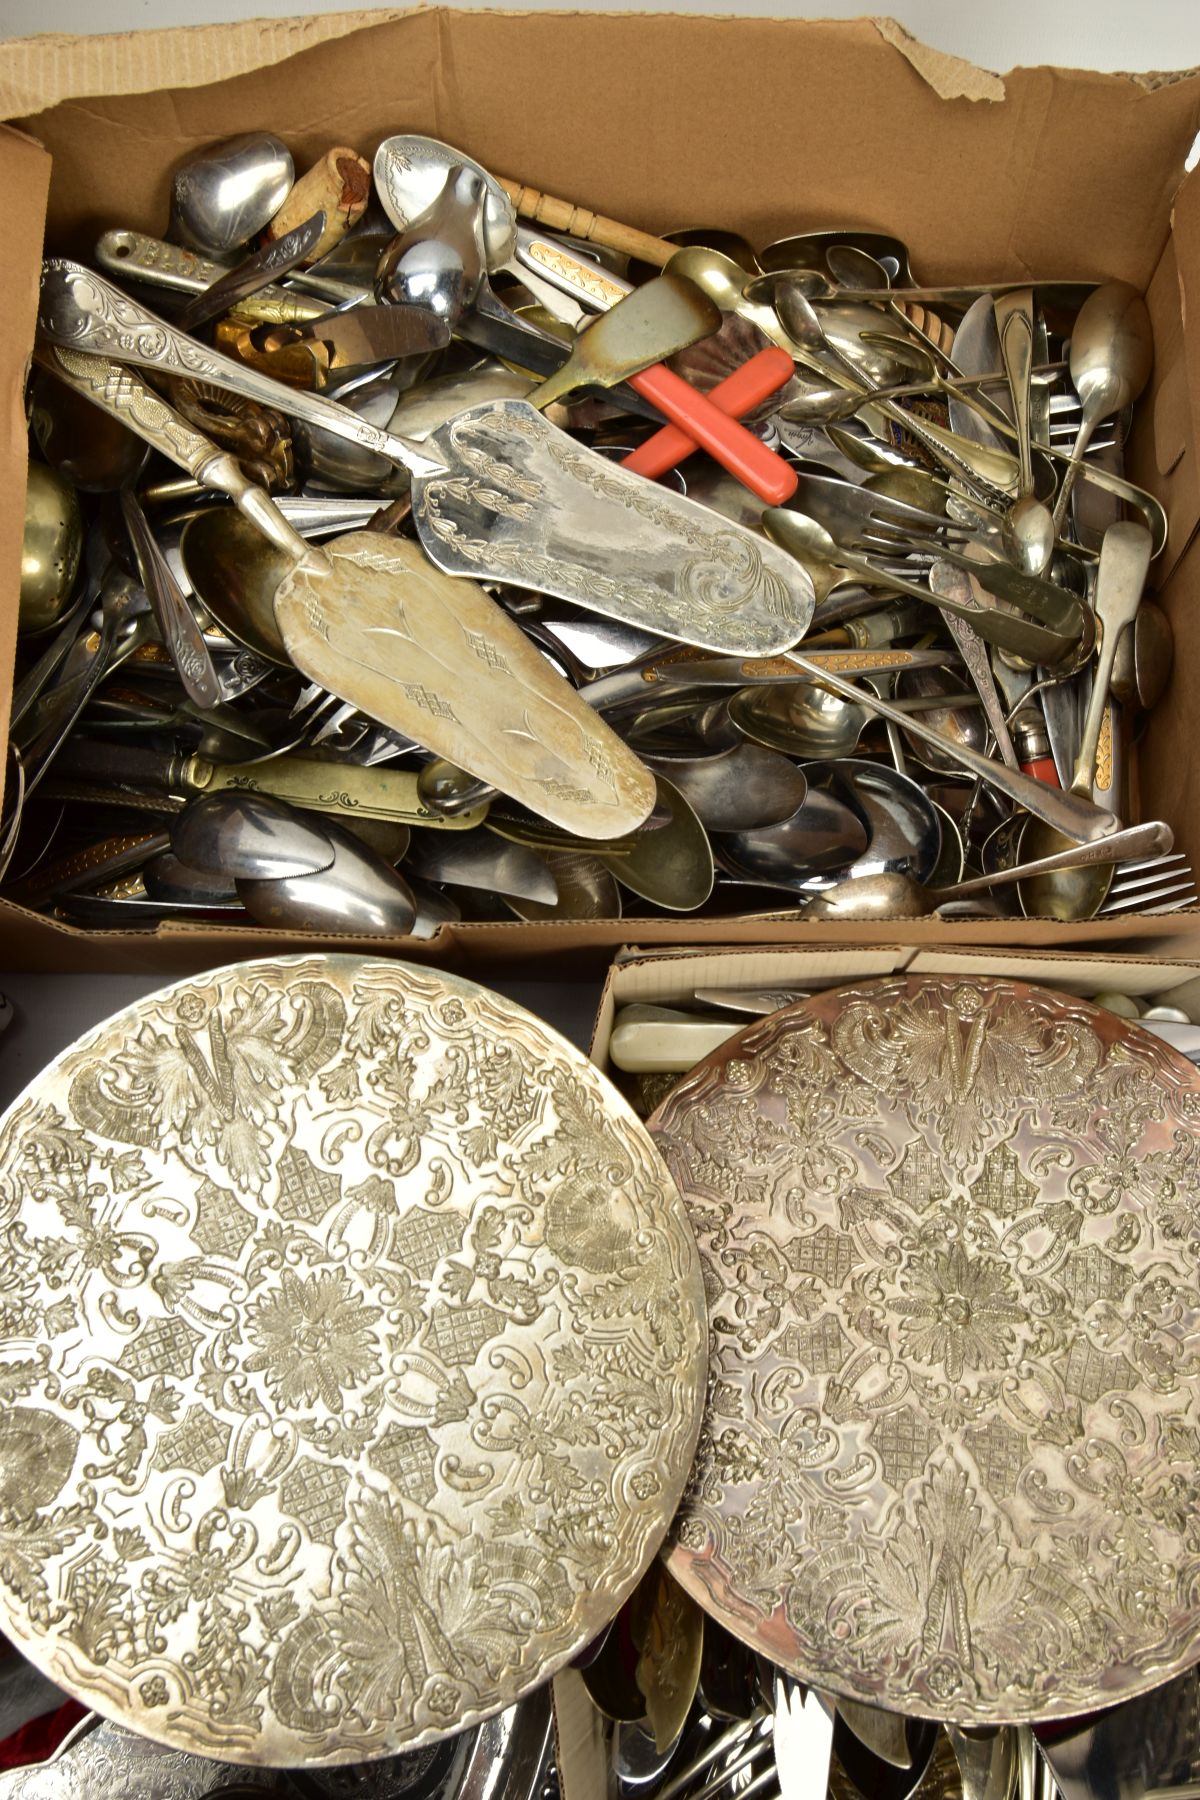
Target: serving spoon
(1112, 353)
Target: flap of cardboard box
(766, 125)
(672, 977)
(818, 123)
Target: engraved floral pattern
(950, 1232)
(703, 580)
(351, 1357)
(960, 1311)
(314, 1339)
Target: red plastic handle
(760, 469)
(1042, 769)
(747, 386)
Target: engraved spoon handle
(176, 620)
(1120, 578)
(82, 311)
(1014, 321)
(126, 397)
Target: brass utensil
(668, 1631)
(432, 656)
(647, 326)
(379, 793)
(176, 269)
(50, 550)
(255, 273)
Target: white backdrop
(1095, 34)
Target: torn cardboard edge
(42, 71)
(950, 77)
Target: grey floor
(50, 1011)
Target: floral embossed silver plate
(950, 1232)
(352, 1360)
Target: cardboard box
(765, 126)
(670, 978)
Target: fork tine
(1169, 906)
(308, 696)
(1145, 875)
(1132, 864)
(334, 722)
(747, 1756)
(1180, 894)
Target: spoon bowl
(1112, 353)
(51, 547)
(959, 724)
(410, 173)
(357, 893)
(1144, 658)
(234, 571)
(1028, 534)
(251, 837)
(223, 197)
(586, 890)
(439, 262)
(672, 866)
(904, 828)
(88, 448)
(800, 719)
(822, 836)
(811, 250)
(1069, 895)
(724, 281)
(740, 788)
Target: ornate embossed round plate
(950, 1232)
(353, 1357)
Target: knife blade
(304, 781)
(255, 273)
(880, 1730)
(370, 334)
(976, 351)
